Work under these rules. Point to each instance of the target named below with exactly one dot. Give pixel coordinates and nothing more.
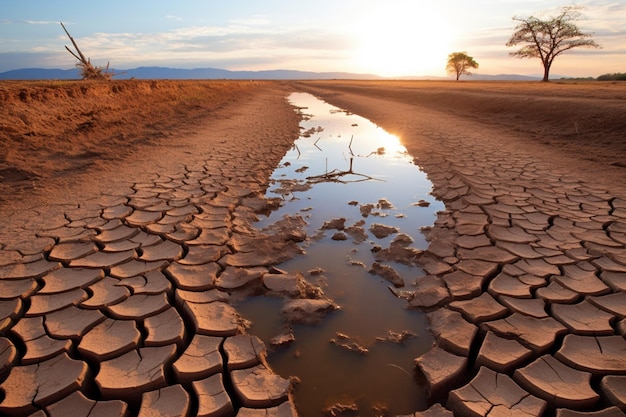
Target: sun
(407, 39)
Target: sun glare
(413, 39)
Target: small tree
(459, 63)
(547, 39)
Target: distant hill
(184, 74)
(216, 73)
(40, 74)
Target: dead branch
(87, 70)
(335, 176)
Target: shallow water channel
(347, 167)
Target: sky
(390, 38)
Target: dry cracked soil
(127, 230)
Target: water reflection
(343, 166)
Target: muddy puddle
(364, 202)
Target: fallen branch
(335, 176)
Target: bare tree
(459, 63)
(547, 39)
(87, 70)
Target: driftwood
(335, 176)
(87, 70)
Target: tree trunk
(546, 72)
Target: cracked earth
(115, 294)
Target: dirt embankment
(58, 128)
(583, 120)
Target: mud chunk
(136, 267)
(491, 393)
(139, 306)
(212, 397)
(106, 292)
(77, 405)
(440, 368)
(172, 401)
(614, 388)
(72, 322)
(283, 339)
(452, 331)
(396, 337)
(387, 272)
(582, 280)
(201, 359)
(431, 292)
(109, 339)
(243, 351)
(557, 383)
(366, 209)
(357, 231)
(28, 270)
(259, 387)
(102, 259)
(151, 283)
(194, 277)
(536, 334)
(382, 231)
(316, 271)
(8, 354)
(349, 343)
(399, 251)
(342, 409)
(213, 319)
(165, 328)
(479, 309)
(66, 279)
(41, 384)
(39, 346)
(584, 318)
(135, 372)
(533, 307)
(288, 283)
(307, 310)
(47, 303)
(598, 355)
(335, 224)
(13, 288)
(268, 250)
(502, 355)
(233, 278)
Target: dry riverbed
(128, 211)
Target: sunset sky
(388, 38)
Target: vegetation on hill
(618, 76)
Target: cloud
(252, 40)
(28, 22)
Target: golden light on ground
(412, 39)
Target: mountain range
(215, 73)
